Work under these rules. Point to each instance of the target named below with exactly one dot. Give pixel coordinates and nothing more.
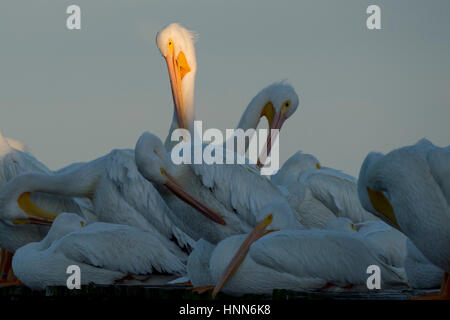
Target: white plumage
(119, 194)
(409, 189)
(421, 273)
(318, 193)
(104, 252)
(387, 241)
(291, 259)
(236, 192)
(14, 161)
(276, 102)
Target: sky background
(76, 95)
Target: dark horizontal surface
(179, 292)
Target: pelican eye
(170, 46)
(286, 105)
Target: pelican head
(176, 45)
(16, 206)
(372, 195)
(152, 159)
(366, 196)
(283, 217)
(153, 163)
(282, 102)
(276, 103)
(293, 168)
(64, 224)
(271, 217)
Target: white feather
(104, 252)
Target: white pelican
(277, 102)
(234, 191)
(176, 45)
(422, 274)
(104, 252)
(409, 188)
(318, 193)
(386, 241)
(119, 194)
(289, 258)
(14, 161)
(294, 167)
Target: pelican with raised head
(276, 102)
(176, 45)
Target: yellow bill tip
(268, 220)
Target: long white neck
(188, 85)
(79, 182)
(251, 117)
(252, 114)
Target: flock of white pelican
(226, 227)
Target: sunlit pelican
(277, 102)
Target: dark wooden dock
(181, 292)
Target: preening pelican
(409, 188)
(104, 252)
(232, 193)
(281, 255)
(318, 193)
(277, 103)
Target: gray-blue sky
(75, 95)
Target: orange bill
(258, 231)
(173, 185)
